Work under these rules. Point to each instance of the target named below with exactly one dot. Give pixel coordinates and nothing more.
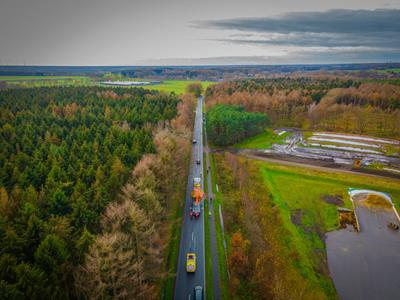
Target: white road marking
(192, 236)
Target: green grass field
(263, 140)
(393, 70)
(176, 86)
(290, 182)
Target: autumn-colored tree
(4, 202)
(238, 258)
(195, 88)
(112, 271)
(260, 264)
(185, 116)
(315, 103)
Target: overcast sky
(176, 32)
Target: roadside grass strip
(173, 249)
(209, 275)
(222, 262)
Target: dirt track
(314, 164)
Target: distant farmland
(176, 86)
(168, 86)
(47, 81)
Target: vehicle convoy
(197, 196)
(191, 262)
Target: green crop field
(176, 86)
(263, 140)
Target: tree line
(65, 154)
(316, 104)
(229, 124)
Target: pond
(366, 264)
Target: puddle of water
(366, 265)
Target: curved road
(192, 235)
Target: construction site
(358, 153)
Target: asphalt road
(192, 235)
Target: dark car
(198, 161)
(198, 293)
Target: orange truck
(197, 196)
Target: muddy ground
(296, 150)
(316, 163)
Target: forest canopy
(229, 124)
(316, 104)
(65, 153)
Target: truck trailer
(197, 196)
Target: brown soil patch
(296, 217)
(335, 200)
(375, 201)
(347, 218)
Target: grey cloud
(332, 28)
(334, 21)
(322, 40)
(305, 57)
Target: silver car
(198, 293)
